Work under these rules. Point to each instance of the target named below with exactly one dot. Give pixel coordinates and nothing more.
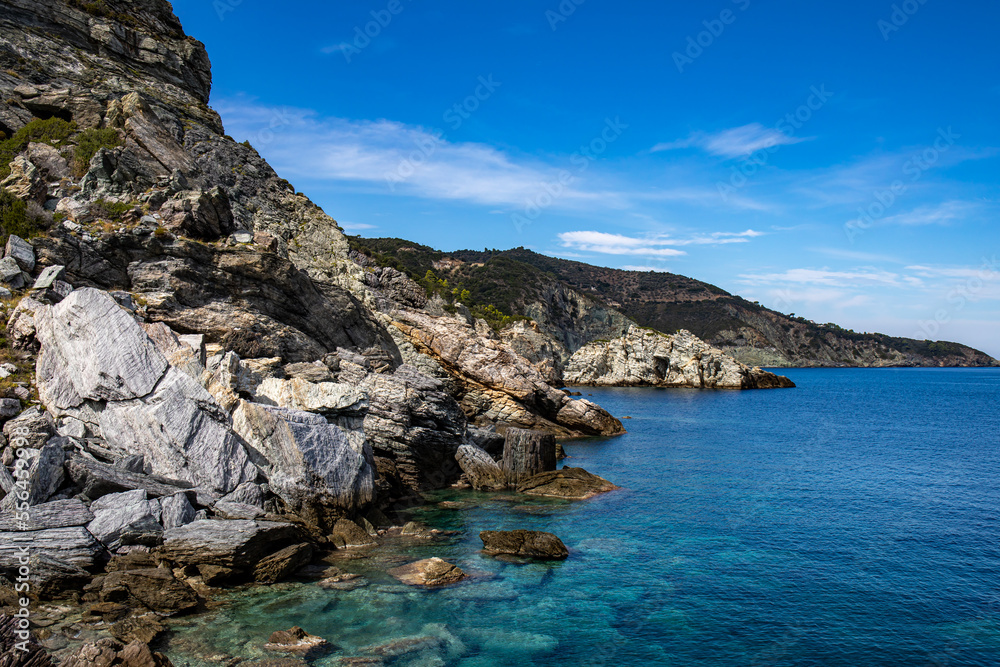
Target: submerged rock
(571, 483)
(297, 641)
(526, 543)
(428, 572)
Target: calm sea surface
(852, 521)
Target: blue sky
(835, 160)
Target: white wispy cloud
(356, 226)
(644, 269)
(404, 159)
(649, 246)
(856, 255)
(939, 214)
(734, 142)
(863, 277)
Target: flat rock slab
(428, 572)
(56, 514)
(570, 483)
(238, 544)
(526, 543)
(99, 479)
(72, 545)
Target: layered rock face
(96, 361)
(498, 385)
(266, 272)
(644, 357)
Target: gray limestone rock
(93, 350)
(10, 273)
(125, 518)
(73, 545)
(183, 434)
(237, 544)
(56, 514)
(21, 251)
(310, 463)
(48, 277)
(176, 511)
(32, 428)
(98, 479)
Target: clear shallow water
(854, 520)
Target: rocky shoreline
(200, 385)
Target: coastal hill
(592, 299)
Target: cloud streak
(734, 142)
(651, 246)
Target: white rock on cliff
(644, 357)
(96, 362)
(310, 463)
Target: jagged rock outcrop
(497, 385)
(95, 360)
(644, 357)
(309, 463)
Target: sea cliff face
(643, 357)
(203, 385)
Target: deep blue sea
(854, 520)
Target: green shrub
(110, 210)
(53, 131)
(89, 142)
(14, 218)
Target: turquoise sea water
(854, 521)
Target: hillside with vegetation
(519, 283)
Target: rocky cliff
(194, 369)
(644, 357)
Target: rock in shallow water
(428, 572)
(571, 483)
(527, 543)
